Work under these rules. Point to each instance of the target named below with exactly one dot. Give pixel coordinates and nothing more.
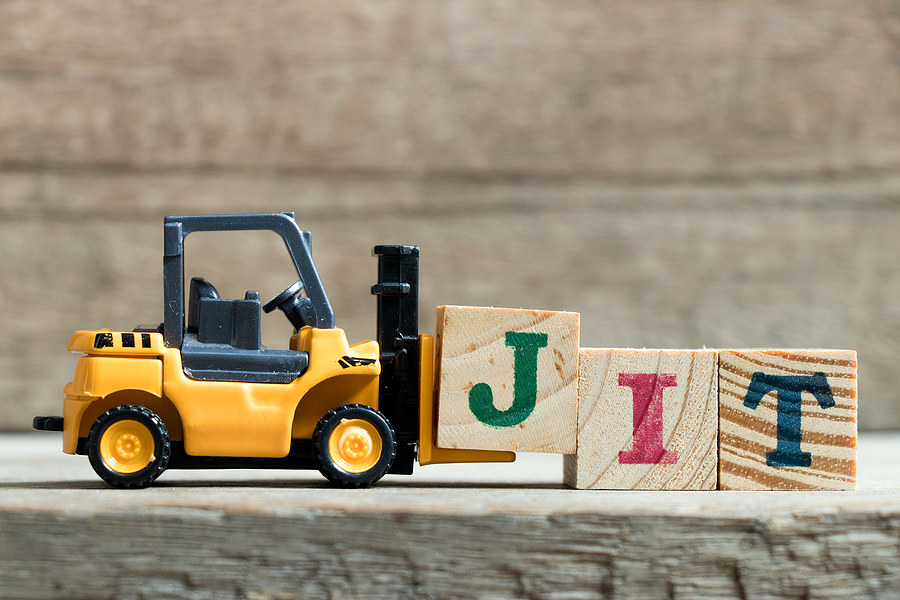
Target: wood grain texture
(682, 173)
(749, 432)
(506, 379)
(448, 531)
(616, 452)
(665, 88)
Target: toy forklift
(200, 391)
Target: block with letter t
(787, 419)
(647, 419)
(507, 379)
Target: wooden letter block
(647, 420)
(506, 379)
(787, 419)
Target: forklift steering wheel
(286, 296)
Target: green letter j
(481, 398)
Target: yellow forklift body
(222, 418)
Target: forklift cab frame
(221, 341)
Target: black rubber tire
(162, 446)
(327, 465)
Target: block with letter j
(507, 379)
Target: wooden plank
(647, 419)
(661, 88)
(506, 379)
(104, 265)
(448, 531)
(787, 419)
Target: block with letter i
(647, 419)
(506, 379)
(787, 419)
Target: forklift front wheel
(129, 446)
(354, 445)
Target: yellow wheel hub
(355, 445)
(127, 446)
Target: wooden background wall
(683, 173)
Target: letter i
(647, 443)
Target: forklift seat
(222, 341)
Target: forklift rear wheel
(129, 446)
(354, 445)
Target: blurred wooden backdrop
(683, 173)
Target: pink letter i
(647, 443)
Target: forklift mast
(398, 340)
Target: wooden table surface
(462, 531)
